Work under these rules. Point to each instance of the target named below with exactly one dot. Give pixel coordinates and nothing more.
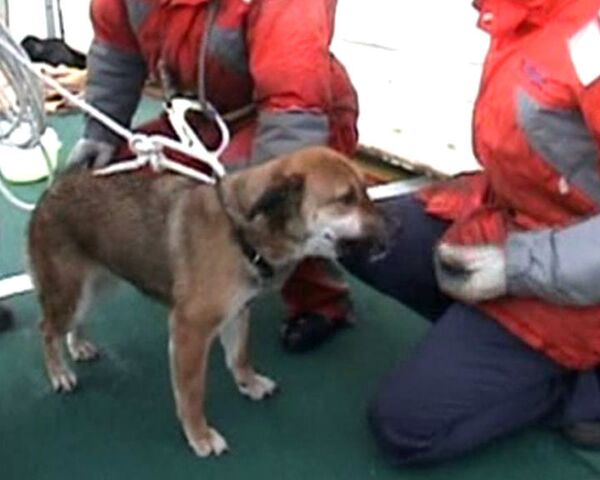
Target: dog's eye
(348, 198)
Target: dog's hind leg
(234, 338)
(61, 277)
(80, 348)
(60, 305)
(96, 280)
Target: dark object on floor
(309, 330)
(53, 51)
(6, 319)
(584, 434)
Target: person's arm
(560, 265)
(563, 265)
(291, 68)
(116, 69)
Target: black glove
(91, 153)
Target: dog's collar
(264, 268)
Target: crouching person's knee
(403, 431)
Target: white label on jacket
(585, 52)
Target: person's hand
(91, 153)
(471, 274)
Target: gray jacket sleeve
(115, 83)
(561, 266)
(283, 132)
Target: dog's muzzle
(373, 244)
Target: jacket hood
(499, 17)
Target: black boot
(6, 318)
(309, 330)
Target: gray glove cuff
(560, 266)
(279, 133)
(518, 264)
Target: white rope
(148, 149)
(22, 116)
(150, 153)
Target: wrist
(521, 250)
(97, 132)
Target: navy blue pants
(470, 380)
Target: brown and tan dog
(204, 251)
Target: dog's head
(310, 203)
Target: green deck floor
(121, 424)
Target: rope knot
(148, 150)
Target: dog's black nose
(378, 248)
(371, 246)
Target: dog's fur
(177, 241)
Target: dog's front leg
(190, 339)
(234, 338)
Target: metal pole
(50, 20)
(5, 13)
(61, 23)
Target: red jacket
(536, 131)
(272, 53)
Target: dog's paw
(81, 350)
(62, 379)
(207, 443)
(257, 386)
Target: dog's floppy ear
(280, 200)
